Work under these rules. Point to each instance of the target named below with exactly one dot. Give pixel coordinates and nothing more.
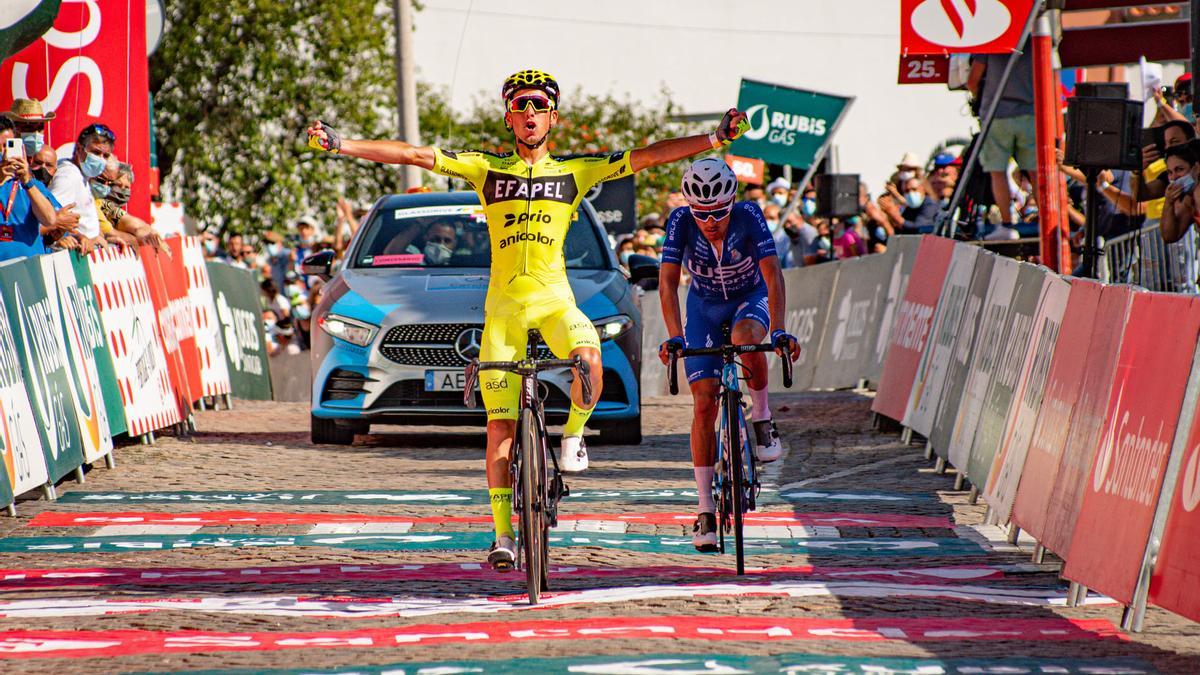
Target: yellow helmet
(530, 79)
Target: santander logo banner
(962, 26)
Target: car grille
(430, 344)
(412, 394)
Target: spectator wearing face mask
(778, 191)
(70, 185)
(874, 221)
(908, 167)
(624, 249)
(910, 210)
(805, 243)
(783, 242)
(25, 205)
(112, 189)
(808, 205)
(844, 241)
(306, 239)
(944, 177)
(278, 258)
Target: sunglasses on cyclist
(521, 103)
(99, 130)
(714, 214)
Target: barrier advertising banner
(179, 313)
(23, 467)
(1062, 390)
(1031, 386)
(904, 247)
(909, 336)
(943, 333)
(36, 325)
(1088, 418)
(988, 349)
(239, 323)
(787, 125)
(89, 303)
(81, 335)
(210, 348)
(808, 291)
(123, 297)
(1007, 369)
(855, 316)
(1122, 491)
(958, 366)
(161, 300)
(1177, 571)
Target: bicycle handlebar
(528, 368)
(732, 350)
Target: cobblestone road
(248, 548)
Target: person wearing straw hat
(29, 123)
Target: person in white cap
(778, 191)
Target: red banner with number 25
(931, 69)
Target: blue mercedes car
(398, 323)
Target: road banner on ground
(210, 348)
(82, 337)
(1122, 490)
(988, 27)
(1088, 418)
(1027, 402)
(989, 347)
(935, 361)
(161, 299)
(239, 322)
(855, 315)
(1062, 391)
(808, 291)
(127, 313)
(787, 125)
(23, 467)
(36, 325)
(958, 366)
(1009, 365)
(909, 337)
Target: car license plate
(445, 380)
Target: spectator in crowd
(43, 164)
(210, 243)
(675, 199)
(231, 252)
(777, 191)
(624, 249)
(910, 210)
(808, 204)
(70, 184)
(278, 258)
(876, 223)
(1013, 133)
(783, 241)
(26, 205)
(805, 240)
(647, 250)
(306, 239)
(909, 166)
(1151, 185)
(273, 300)
(753, 193)
(944, 177)
(112, 189)
(1179, 208)
(1183, 97)
(844, 241)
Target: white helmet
(709, 183)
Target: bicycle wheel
(737, 478)
(532, 492)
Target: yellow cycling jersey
(529, 208)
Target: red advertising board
(1176, 577)
(747, 169)
(1122, 488)
(924, 69)
(967, 27)
(1054, 419)
(179, 312)
(160, 297)
(910, 332)
(91, 67)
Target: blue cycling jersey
(733, 271)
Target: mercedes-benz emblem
(467, 343)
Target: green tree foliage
(236, 82)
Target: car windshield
(455, 235)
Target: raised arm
(672, 150)
(321, 136)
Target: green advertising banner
(83, 296)
(22, 466)
(787, 126)
(239, 318)
(34, 320)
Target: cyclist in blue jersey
(736, 279)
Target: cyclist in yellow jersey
(529, 198)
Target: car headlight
(352, 331)
(613, 327)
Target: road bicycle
(735, 481)
(537, 483)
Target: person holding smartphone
(26, 205)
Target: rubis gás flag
(962, 26)
(91, 67)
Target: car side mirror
(642, 267)
(319, 263)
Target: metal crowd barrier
(1142, 258)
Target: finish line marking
(211, 518)
(453, 541)
(727, 664)
(84, 644)
(419, 606)
(12, 579)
